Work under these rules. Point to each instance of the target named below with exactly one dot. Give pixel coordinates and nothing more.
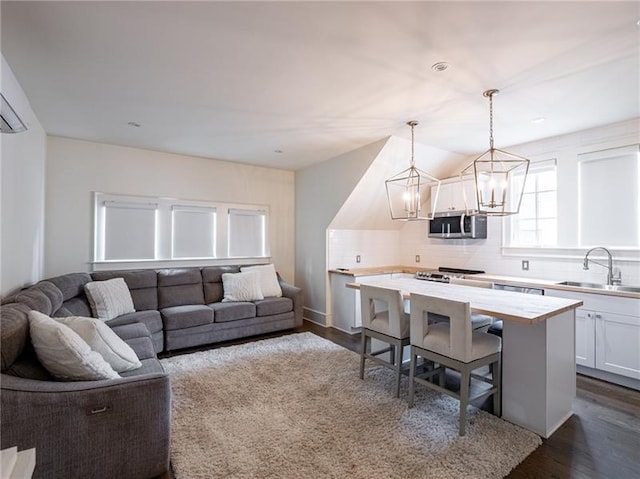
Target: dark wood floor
(600, 441)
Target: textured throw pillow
(103, 340)
(65, 354)
(241, 286)
(109, 299)
(268, 279)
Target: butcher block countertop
(511, 306)
(501, 279)
(377, 270)
(550, 284)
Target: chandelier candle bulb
(499, 176)
(405, 190)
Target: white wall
(321, 190)
(77, 168)
(375, 248)
(22, 174)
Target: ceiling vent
(10, 122)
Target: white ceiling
(239, 80)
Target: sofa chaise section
(98, 429)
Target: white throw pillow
(268, 279)
(109, 299)
(65, 354)
(241, 286)
(103, 340)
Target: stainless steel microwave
(457, 224)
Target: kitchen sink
(608, 287)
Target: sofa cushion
(102, 339)
(71, 285)
(149, 366)
(270, 306)
(34, 299)
(63, 353)
(52, 292)
(151, 319)
(143, 347)
(78, 306)
(187, 316)
(14, 333)
(268, 279)
(109, 299)
(177, 287)
(212, 282)
(241, 286)
(223, 312)
(142, 284)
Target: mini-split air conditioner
(10, 122)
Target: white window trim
(619, 254)
(164, 248)
(250, 212)
(535, 166)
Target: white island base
(538, 373)
(538, 348)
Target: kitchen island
(538, 348)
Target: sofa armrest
(295, 294)
(97, 429)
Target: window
(247, 233)
(193, 232)
(135, 229)
(536, 224)
(609, 181)
(128, 230)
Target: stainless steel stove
(443, 274)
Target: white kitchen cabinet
(345, 302)
(453, 194)
(607, 335)
(585, 338)
(618, 344)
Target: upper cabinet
(455, 195)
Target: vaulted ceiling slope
(288, 84)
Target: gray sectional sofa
(119, 427)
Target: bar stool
(456, 346)
(480, 322)
(389, 324)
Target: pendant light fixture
(499, 176)
(407, 190)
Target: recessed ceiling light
(134, 124)
(538, 120)
(440, 66)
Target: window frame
(535, 168)
(164, 254)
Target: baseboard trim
(609, 377)
(314, 316)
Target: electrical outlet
(358, 258)
(417, 258)
(525, 264)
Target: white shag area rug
(295, 407)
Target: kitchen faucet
(611, 278)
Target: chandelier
(407, 190)
(499, 176)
